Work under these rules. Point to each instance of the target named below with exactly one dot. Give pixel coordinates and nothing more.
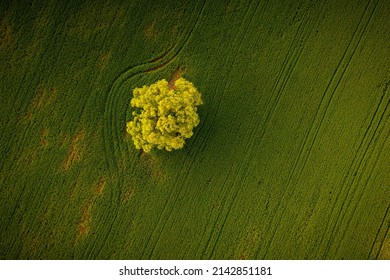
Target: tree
(164, 114)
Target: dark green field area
(291, 159)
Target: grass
(290, 160)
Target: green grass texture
(291, 159)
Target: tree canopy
(164, 115)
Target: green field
(291, 159)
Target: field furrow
(290, 159)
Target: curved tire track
(112, 138)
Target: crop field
(291, 159)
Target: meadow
(290, 159)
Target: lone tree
(165, 114)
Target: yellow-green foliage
(164, 114)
